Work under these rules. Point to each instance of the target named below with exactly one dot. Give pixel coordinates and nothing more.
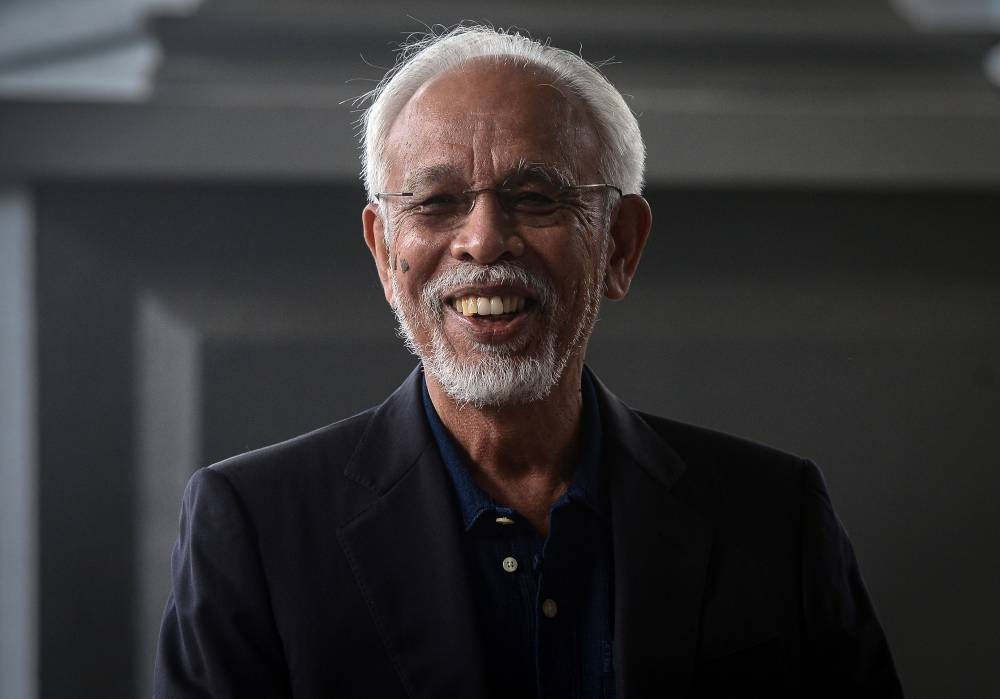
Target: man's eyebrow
(526, 171)
(428, 174)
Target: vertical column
(18, 453)
(169, 449)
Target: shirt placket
(556, 645)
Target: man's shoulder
(331, 443)
(698, 442)
(338, 469)
(731, 463)
(295, 469)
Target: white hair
(622, 154)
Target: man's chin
(486, 374)
(495, 379)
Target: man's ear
(374, 226)
(627, 239)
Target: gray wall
(181, 323)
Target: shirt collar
(587, 486)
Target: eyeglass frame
(476, 192)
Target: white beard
(494, 376)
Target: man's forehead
(479, 90)
(515, 114)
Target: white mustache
(503, 273)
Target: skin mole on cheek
(404, 265)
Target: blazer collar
(662, 541)
(405, 552)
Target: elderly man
(502, 525)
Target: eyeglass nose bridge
(472, 195)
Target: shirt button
(550, 608)
(510, 564)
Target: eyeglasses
(535, 205)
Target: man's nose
(488, 233)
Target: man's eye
(529, 200)
(438, 204)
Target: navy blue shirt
(545, 606)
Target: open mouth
(494, 307)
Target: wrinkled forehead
(485, 119)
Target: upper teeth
(488, 305)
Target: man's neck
(521, 455)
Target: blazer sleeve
(218, 638)
(846, 653)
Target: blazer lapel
(406, 554)
(662, 543)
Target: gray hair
(622, 154)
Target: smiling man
(503, 525)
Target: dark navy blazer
(330, 566)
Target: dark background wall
(854, 327)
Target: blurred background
(182, 277)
